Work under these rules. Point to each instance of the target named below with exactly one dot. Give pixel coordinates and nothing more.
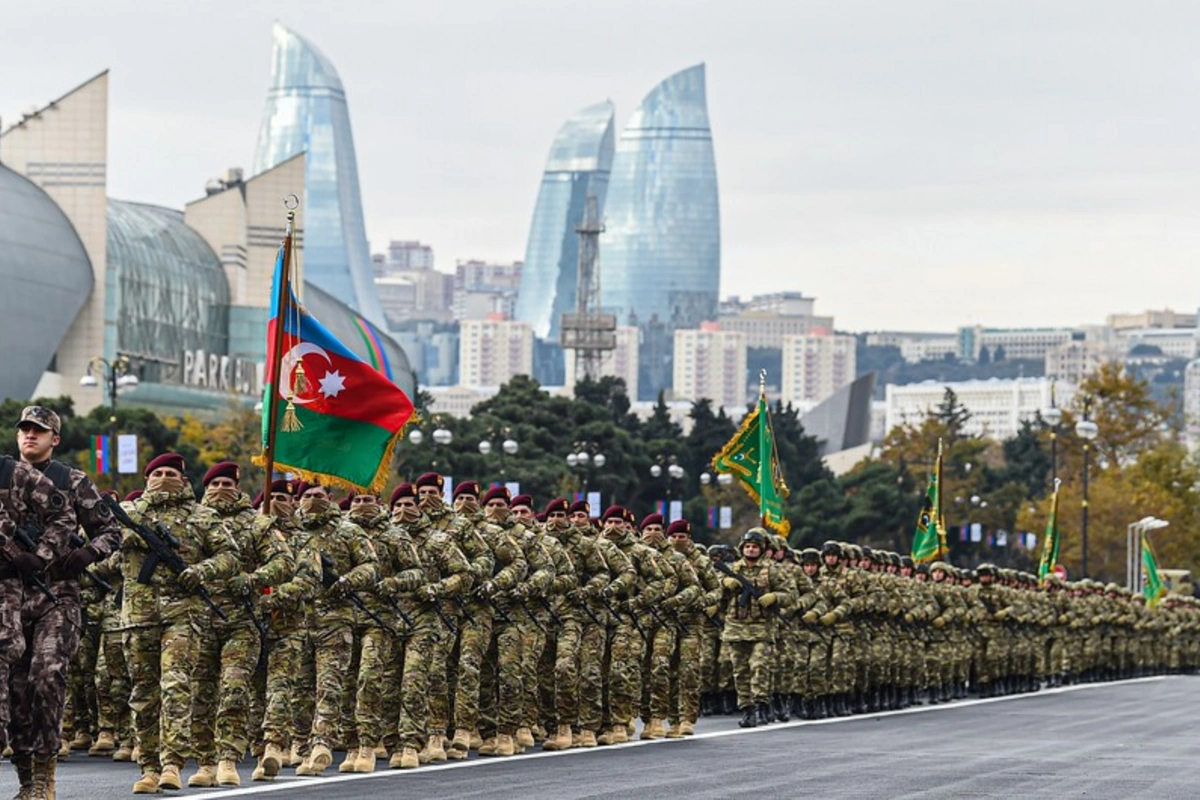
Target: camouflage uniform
(594, 663)
(696, 626)
(230, 651)
(538, 661)
(630, 637)
(681, 592)
(748, 625)
(112, 675)
(161, 620)
(37, 637)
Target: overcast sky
(913, 164)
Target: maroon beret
(258, 498)
(403, 490)
(522, 500)
(172, 460)
(498, 492)
(300, 487)
(557, 504)
(652, 519)
(282, 486)
(680, 526)
(540, 518)
(580, 505)
(134, 495)
(466, 487)
(431, 479)
(596, 522)
(225, 469)
(630, 517)
(613, 512)
(344, 503)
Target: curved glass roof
(167, 292)
(49, 276)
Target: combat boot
(170, 778)
(587, 739)
(749, 718)
(81, 741)
(687, 728)
(24, 766)
(293, 758)
(205, 777)
(764, 714)
(620, 734)
(461, 743)
(259, 774)
(227, 774)
(488, 747)
(43, 778)
(272, 760)
(147, 784)
(406, 758)
(317, 762)
(781, 709)
(843, 704)
(654, 729)
(349, 762)
(124, 752)
(605, 738)
(505, 746)
(730, 704)
(64, 748)
(675, 731)
(705, 704)
(105, 743)
(539, 734)
(525, 737)
(561, 739)
(366, 759)
(820, 708)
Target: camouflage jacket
(353, 558)
(263, 554)
(745, 619)
(31, 498)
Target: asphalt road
(1135, 739)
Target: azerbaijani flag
(929, 537)
(1050, 543)
(343, 416)
(1153, 589)
(100, 456)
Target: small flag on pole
(100, 459)
(1154, 589)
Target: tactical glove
(1002, 614)
(712, 610)
(909, 618)
(811, 616)
(241, 584)
(190, 579)
(340, 588)
(28, 564)
(76, 562)
(732, 584)
(769, 599)
(939, 622)
(487, 590)
(829, 619)
(670, 604)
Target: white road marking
(294, 783)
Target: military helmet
(866, 551)
(1112, 588)
(943, 566)
(853, 552)
(895, 560)
(986, 569)
(754, 536)
(832, 547)
(906, 561)
(921, 569)
(810, 555)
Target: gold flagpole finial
(762, 383)
(1057, 483)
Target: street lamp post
(441, 436)
(586, 460)
(1086, 430)
(1053, 416)
(508, 447)
(116, 374)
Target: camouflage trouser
(332, 645)
(38, 681)
(12, 645)
(656, 673)
(547, 710)
(568, 645)
(592, 677)
(783, 666)
(409, 662)
(282, 689)
(937, 661)
(533, 644)
(710, 647)
(160, 660)
(367, 725)
(473, 640)
(724, 669)
(347, 726)
(813, 666)
(303, 704)
(842, 667)
(439, 678)
(500, 693)
(991, 662)
(685, 674)
(751, 675)
(222, 690)
(79, 715)
(624, 663)
(112, 687)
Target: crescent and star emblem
(330, 385)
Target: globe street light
(1086, 430)
(585, 459)
(1052, 417)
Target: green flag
(751, 458)
(1153, 588)
(929, 536)
(1051, 540)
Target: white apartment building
(491, 351)
(998, 407)
(1010, 343)
(621, 362)
(1173, 342)
(1191, 404)
(711, 363)
(815, 366)
(1074, 361)
(767, 319)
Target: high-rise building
(1074, 361)
(579, 163)
(483, 289)
(1005, 344)
(998, 407)
(816, 365)
(767, 319)
(403, 255)
(492, 351)
(620, 362)
(711, 363)
(661, 250)
(306, 112)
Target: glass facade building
(578, 166)
(661, 252)
(306, 111)
(166, 290)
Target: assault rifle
(748, 590)
(163, 545)
(77, 541)
(632, 618)
(329, 577)
(21, 536)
